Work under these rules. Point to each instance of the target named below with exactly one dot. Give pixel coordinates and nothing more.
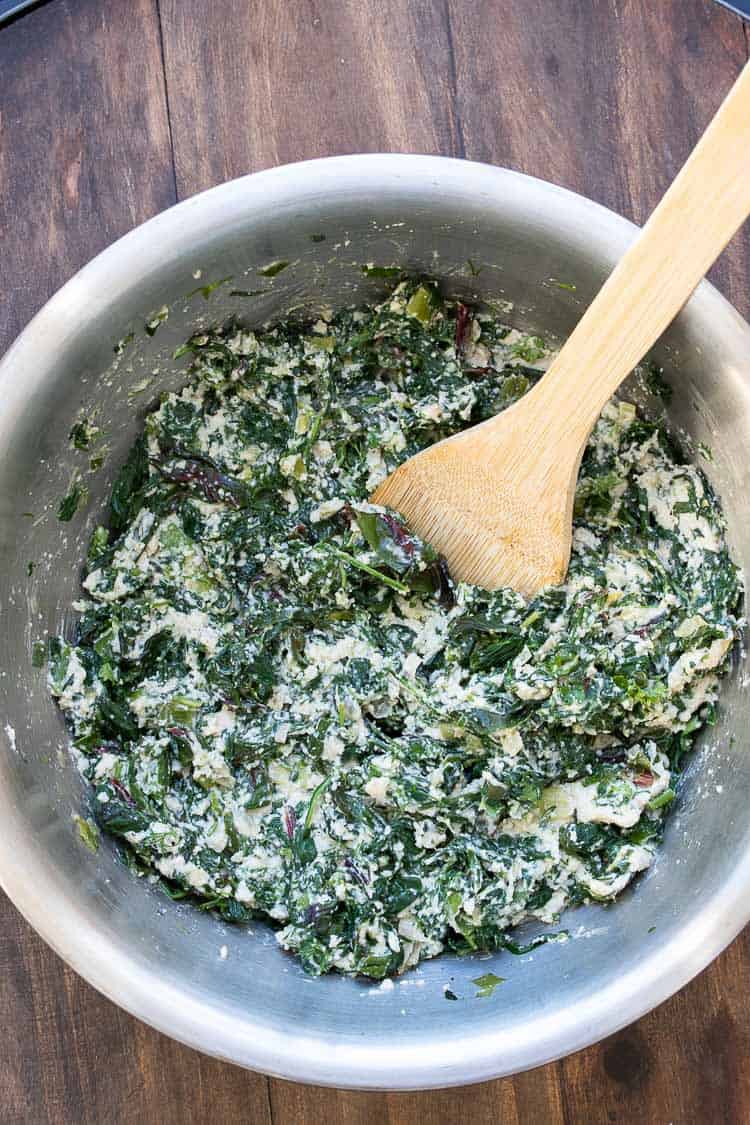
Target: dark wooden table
(111, 110)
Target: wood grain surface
(112, 109)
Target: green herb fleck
(322, 343)
(487, 983)
(124, 343)
(530, 349)
(399, 587)
(211, 287)
(76, 497)
(273, 268)
(371, 270)
(422, 304)
(156, 320)
(99, 544)
(663, 799)
(82, 434)
(317, 793)
(88, 832)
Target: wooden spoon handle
(688, 230)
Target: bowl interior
(538, 254)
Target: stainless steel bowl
(486, 233)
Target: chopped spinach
(288, 710)
(75, 498)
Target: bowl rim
(294, 1055)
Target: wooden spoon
(497, 500)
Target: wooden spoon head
(497, 516)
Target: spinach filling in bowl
(289, 710)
